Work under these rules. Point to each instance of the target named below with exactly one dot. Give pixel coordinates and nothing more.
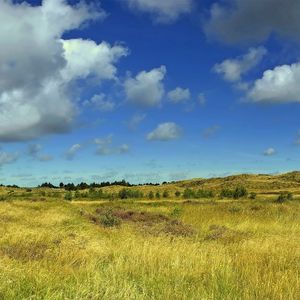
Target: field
(171, 248)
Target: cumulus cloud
(105, 147)
(165, 132)
(254, 20)
(72, 151)
(269, 152)
(101, 103)
(179, 95)
(166, 11)
(85, 58)
(7, 158)
(37, 67)
(233, 69)
(280, 85)
(147, 88)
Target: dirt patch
(134, 216)
(177, 228)
(225, 234)
(146, 222)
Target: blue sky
(147, 90)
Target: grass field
(223, 249)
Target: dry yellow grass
(239, 250)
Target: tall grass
(240, 250)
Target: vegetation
(239, 249)
(222, 238)
(238, 192)
(284, 196)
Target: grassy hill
(152, 249)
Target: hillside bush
(284, 196)
(238, 192)
(68, 196)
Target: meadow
(173, 248)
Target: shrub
(188, 194)
(151, 195)
(177, 194)
(127, 193)
(68, 196)
(157, 195)
(238, 192)
(284, 196)
(165, 194)
(109, 220)
(204, 194)
(176, 212)
(77, 194)
(252, 196)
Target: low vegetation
(167, 241)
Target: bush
(204, 194)
(151, 195)
(176, 212)
(165, 194)
(238, 192)
(252, 196)
(127, 194)
(109, 220)
(226, 193)
(177, 194)
(188, 194)
(284, 196)
(157, 195)
(68, 196)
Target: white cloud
(7, 158)
(72, 151)
(179, 95)
(233, 69)
(254, 20)
(280, 85)
(269, 152)
(85, 58)
(165, 132)
(135, 121)
(101, 103)
(105, 146)
(37, 67)
(162, 11)
(146, 89)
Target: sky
(147, 90)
